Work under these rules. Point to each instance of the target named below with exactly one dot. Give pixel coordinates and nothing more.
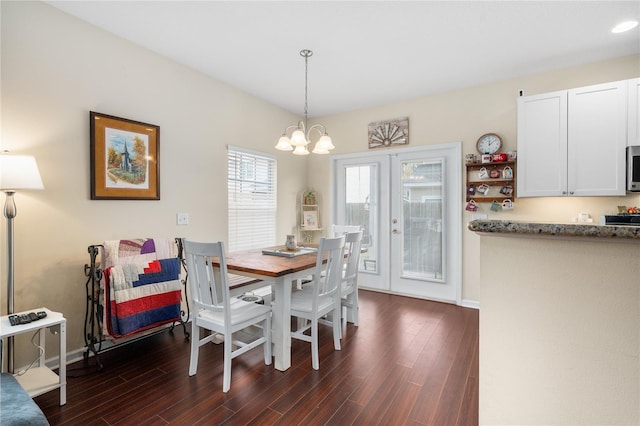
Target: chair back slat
(353, 246)
(329, 274)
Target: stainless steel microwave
(633, 168)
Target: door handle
(395, 231)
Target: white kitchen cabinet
(633, 132)
(542, 145)
(571, 142)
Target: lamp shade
(325, 142)
(319, 149)
(284, 144)
(19, 172)
(301, 150)
(298, 138)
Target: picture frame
(125, 158)
(310, 219)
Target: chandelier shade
(284, 144)
(300, 136)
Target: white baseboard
(465, 303)
(470, 304)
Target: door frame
(453, 208)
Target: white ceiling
(367, 53)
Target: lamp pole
(16, 172)
(10, 213)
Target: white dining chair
(337, 230)
(349, 299)
(321, 297)
(216, 311)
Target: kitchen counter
(580, 230)
(559, 320)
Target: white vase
(291, 244)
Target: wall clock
(489, 143)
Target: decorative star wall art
(389, 133)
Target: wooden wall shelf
(496, 185)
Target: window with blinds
(252, 199)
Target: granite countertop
(580, 230)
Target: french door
(408, 203)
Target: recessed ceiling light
(624, 26)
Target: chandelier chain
(305, 53)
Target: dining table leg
(281, 323)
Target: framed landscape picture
(125, 158)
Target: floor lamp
(17, 172)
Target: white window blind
(252, 199)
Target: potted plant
(310, 197)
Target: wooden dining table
(280, 272)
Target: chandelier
(300, 137)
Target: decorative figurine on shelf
(310, 197)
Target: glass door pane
(360, 208)
(422, 220)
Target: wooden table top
(255, 262)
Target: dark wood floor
(411, 362)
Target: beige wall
(55, 69)
(464, 115)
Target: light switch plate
(182, 219)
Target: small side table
(40, 379)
